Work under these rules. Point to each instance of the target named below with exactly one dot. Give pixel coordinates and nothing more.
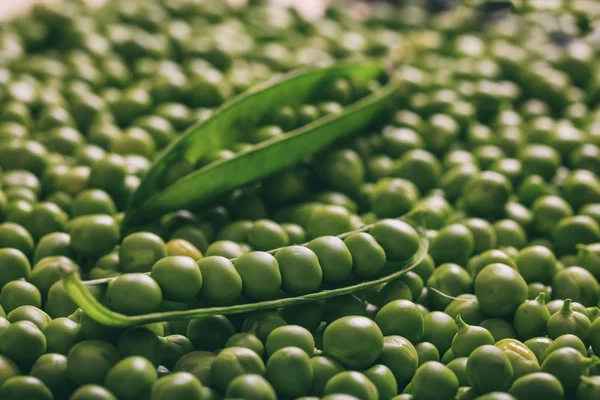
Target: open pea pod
(157, 195)
(80, 292)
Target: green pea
(539, 345)
(486, 194)
(267, 235)
(29, 313)
(199, 364)
(437, 210)
(587, 258)
(342, 170)
(179, 277)
(18, 293)
(536, 264)
(439, 329)
(427, 352)
(51, 369)
(449, 279)
(300, 270)
(290, 335)
(538, 159)
(93, 201)
(290, 372)
(8, 369)
(477, 263)
(434, 380)
(571, 231)
(20, 387)
(209, 333)
(459, 367)
(232, 362)
(61, 335)
(402, 318)
(420, 167)
(53, 244)
(499, 328)
(443, 131)
(134, 294)
(352, 383)
(23, 342)
(94, 235)
(468, 338)
(16, 237)
(538, 384)
(356, 342)
(58, 302)
(21, 193)
(139, 251)
(324, 369)
(131, 378)
(588, 388)
(548, 211)
(531, 317)
(398, 239)
(108, 173)
(368, 256)
(343, 306)
(90, 361)
(522, 359)
(555, 305)
(307, 315)
(455, 179)
(251, 387)
(453, 244)
(468, 307)
(380, 166)
(568, 365)
(492, 286)
(50, 270)
(536, 288)
(224, 248)
(581, 187)
(510, 233)
(425, 268)
(401, 357)
(489, 369)
(172, 348)
(262, 324)
(532, 188)
(384, 381)
(393, 197)
(260, 275)
(328, 220)
(218, 274)
(483, 234)
(295, 233)
(247, 340)
(334, 258)
(177, 385)
(488, 155)
(578, 284)
(567, 321)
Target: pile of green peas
(494, 137)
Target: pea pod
(82, 292)
(157, 194)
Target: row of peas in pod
(495, 137)
(258, 275)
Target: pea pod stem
(80, 293)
